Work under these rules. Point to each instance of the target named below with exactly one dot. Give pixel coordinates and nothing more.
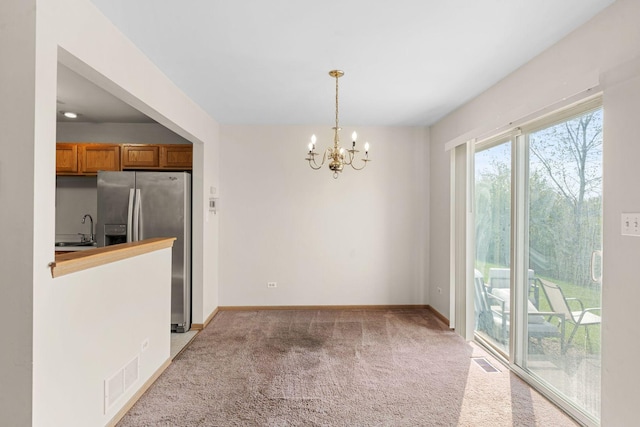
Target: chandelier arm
(313, 158)
(351, 157)
(314, 167)
(364, 164)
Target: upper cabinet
(95, 157)
(140, 156)
(176, 156)
(157, 156)
(88, 159)
(66, 159)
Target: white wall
(74, 33)
(99, 319)
(439, 169)
(621, 290)
(17, 165)
(605, 50)
(360, 239)
(206, 297)
(117, 133)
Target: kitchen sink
(64, 244)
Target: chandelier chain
(336, 138)
(336, 101)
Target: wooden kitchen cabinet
(66, 159)
(86, 159)
(140, 156)
(176, 156)
(98, 157)
(82, 158)
(157, 156)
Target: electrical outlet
(272, 284)
(145, 344)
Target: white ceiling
(406, 62)
(92, 104)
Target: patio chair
(559, 303)
(484, 318)
(500, 278)
(492, 315)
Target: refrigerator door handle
(130, 215)
(136, 216)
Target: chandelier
(337, 156)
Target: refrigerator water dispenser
(115, 234)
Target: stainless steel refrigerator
(135, 206)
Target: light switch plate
(630, 224)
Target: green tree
(567, 158)
(493, 212)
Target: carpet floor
(395, 367)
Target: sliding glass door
(538, 234)
(492, 277)
(564, 248)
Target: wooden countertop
(71, 262)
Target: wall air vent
(120, 382)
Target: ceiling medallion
(338, 157)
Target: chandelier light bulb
(313, 139)
(310, 147)
(366, 147)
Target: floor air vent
(485, 364)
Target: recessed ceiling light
(70, 115)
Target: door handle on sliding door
(592, 267)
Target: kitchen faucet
(92, 237)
